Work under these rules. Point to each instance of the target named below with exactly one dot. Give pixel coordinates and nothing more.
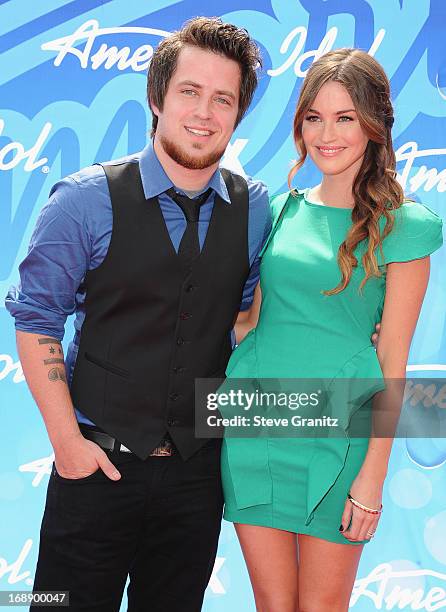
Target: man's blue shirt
(72, 236)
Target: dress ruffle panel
(350, 390)
(248, 459)
(246, 455)
(355, 383)
(249, 471)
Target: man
(132, 491)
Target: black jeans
(159, 524)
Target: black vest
(150, 327)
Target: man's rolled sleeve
(259, 229)
(57, 260)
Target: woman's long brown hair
(375, 188)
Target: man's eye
(188, 92)
(222, 101)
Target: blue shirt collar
(155, 180)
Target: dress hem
(282, 525)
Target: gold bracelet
(362, 507)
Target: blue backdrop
(72, 92)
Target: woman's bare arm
(406, 285)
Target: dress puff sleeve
(416, 233)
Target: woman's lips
(330, 151)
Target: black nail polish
(341, 528)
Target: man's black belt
(165, 448)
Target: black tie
(189, 248)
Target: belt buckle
(165, 449)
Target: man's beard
(187, 161)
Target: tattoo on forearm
(54, 373)
(57, 374)
(53, 350)
(49, 341)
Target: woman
(340, 257)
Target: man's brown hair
(209, 34)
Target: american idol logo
(12, 571)
(297, 57)
(105, 56)
(13, 153)
(10, 367)
(393, 589)
(428, 178)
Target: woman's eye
(312, 118)
(345, 118)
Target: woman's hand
(357, 524)
(375, 335)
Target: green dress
(301, 484)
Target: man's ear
(153, 107)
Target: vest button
(173, 422)
(185, 315)
(190, 288)
(174, 396)
(178, 369)
(180, 341)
